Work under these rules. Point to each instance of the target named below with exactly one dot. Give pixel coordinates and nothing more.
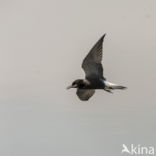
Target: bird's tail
(118, 87)
(109, 85)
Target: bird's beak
(72, 86)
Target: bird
(94, 79)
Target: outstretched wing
(85, 94)
(92, 63)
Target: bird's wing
(85, 94)
(92, 63)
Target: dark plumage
(93, 74)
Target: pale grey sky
(42, 45)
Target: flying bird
(94, 78)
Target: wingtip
(103, 36)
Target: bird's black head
(77, 84)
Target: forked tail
(109, 85)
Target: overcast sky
(42, 45)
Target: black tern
(94, 78)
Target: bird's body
(94, 83)
(94, 74)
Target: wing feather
(92, 63)
(85, 94)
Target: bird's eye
(73, 83)
(82, 85)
